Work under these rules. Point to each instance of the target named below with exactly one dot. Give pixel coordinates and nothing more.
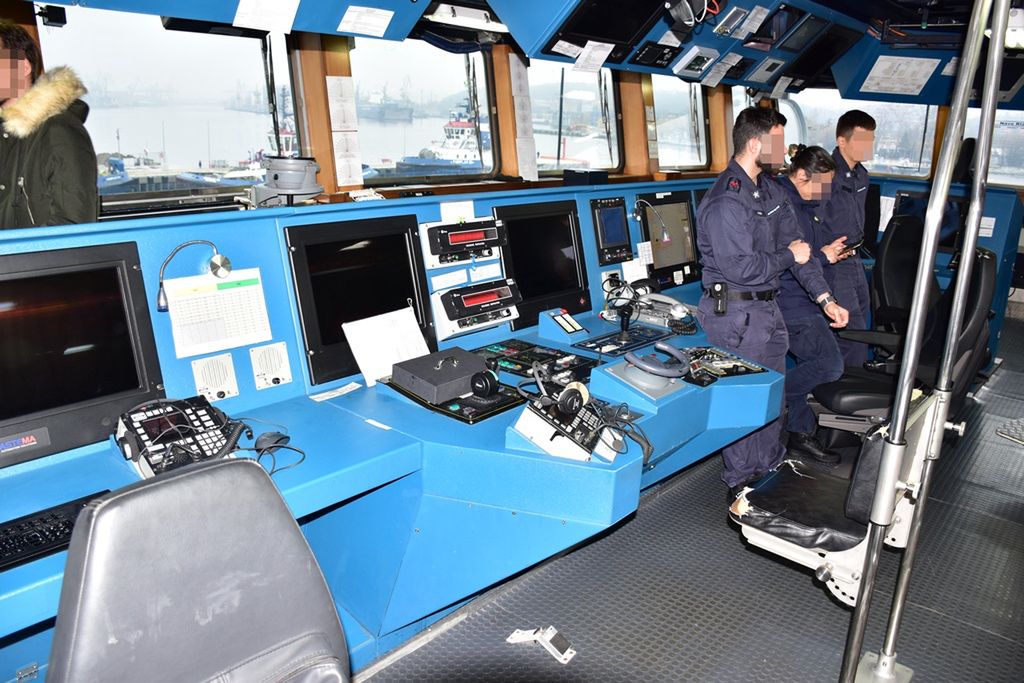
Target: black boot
(808, 445)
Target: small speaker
(215, 377)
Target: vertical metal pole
(892, 453)
(1000, 16)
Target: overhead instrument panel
(737, 42)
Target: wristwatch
(829, 299)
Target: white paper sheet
(383, 340)
(591, 58)
(266, 15)
(951, 67)
(457, 212)
(526, 153)
(886, 206)
(211, 314)
(752, 23)
(780, 87)
(368, 21)
(341, 102)
(348, 166)
(644, 253)
(519, 74)
(634, 270)
(568, 49)
(491, 271)
(988, 226)
(899, 75)
(334, 393)
(448, 280)
(669, 39)
(524, 117)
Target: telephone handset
(161, 435)
(665, 304)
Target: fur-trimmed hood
(53, 93)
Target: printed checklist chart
(211, 314)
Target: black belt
(766, 295)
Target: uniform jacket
(844, 213)
(793, 300)
(47, 162)
(743, 233)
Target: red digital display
(481, 298)
(466, 236)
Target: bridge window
(172, 113)
(575, 118)
(423, 112)
(681, 123)
(903, 139)
(1006, 165)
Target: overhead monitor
(622, 24)
(822, 53)
(774, 27)
(611, 228)
(954, 216)
(77, 348)
(667, 221)
(545, 257)
(350, 270)
(801, 36)
(1011, 75)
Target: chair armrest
(883, 367)
(887, 340)
(889, 315)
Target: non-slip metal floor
(673, 594)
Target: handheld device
(851, 247)
(162, 435)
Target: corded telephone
(664, 311)
(161, 435)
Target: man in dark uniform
(844, 216)
(747, 236)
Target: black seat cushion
(803, 506)
(857, 391)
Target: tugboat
(461, 150)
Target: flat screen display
(823, 53)
(64, 338)
(351, 270)
(544, 253)
(611, 222)
(167, 428)
(678, 248)
(803, 34)
(612, 21)
(358, 278)
(545, 259)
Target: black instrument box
(438, 377)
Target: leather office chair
(201, 574)
(867, 393)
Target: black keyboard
(41, 533)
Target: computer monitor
(611, 228)
(77, 348)
(667, 221)
(545, 257)
(350, 270)
(621, 24)
(954, 216)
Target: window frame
(620, 143)
(456, 178)
(881, 174)
(707, 130)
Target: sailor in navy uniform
(747, 236)
(811, 343)
(844, 216)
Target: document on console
(210, 314)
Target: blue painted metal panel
(315, 16)
(853, 68)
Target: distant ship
(459, 152)
(380, 107)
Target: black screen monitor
(623, 23)
(611, 228)
(352, 270)
(803, 34)
(667, 221)
(778, 24)
(545, 257)
(954, 216)
(77, 348)
(830, 45)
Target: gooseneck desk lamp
(220, 266)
